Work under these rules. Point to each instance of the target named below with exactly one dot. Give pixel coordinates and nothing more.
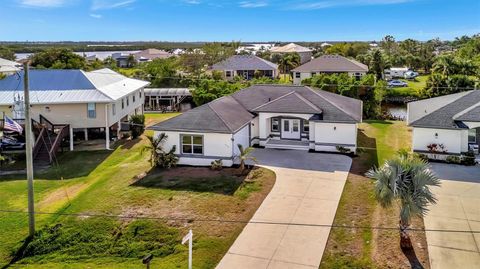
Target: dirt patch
(61, 194)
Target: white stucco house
(270, 116)
(87, 103)
(329, 64)
(452, 122)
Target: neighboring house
(245, 66)
(329, 64)
(271, 116)
(168, 99)
(88, 102)
(305, 53)
(121, 58)
(8, 67)
(149, 55)
(452, 122)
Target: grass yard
(414, 88)
(152, 118)
(120, 182)
(369, 248)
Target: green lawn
(414, 88)
(368, 248)
(120, 182)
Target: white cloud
(42, 3)
(96, 16)
(110, 4)
(311, 5)
(192, 2)
(252, 4)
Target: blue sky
(245, 20)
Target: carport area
(291, 227)
(458, 209)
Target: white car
(397, 83)
(410, 75)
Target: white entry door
(291, 128)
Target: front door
(291, 128)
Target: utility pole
(29, 152)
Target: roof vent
(269, 99)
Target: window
(297, 74)
(192, 144)
(140, 94)
(314, 74)
(472, 135)
(306, 126)
(133, 98)
(228, 74)
(295, 124)
(286, 126)
(128, 100)
(123, 104)
(275, 125)
(91, 111)
(114, 109)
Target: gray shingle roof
(245, 62)
(448, 116)
(331, 63)
(230, 113)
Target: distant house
(168, 99)
(151, 54)
(451, 122)
(8, 67)
(270, 116)
(246, 66)
(329, 64)
(121, 58)
(305, 53)
(86, 103)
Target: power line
(236, 221)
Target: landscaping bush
(137, 125)
(216, 165)
(343, 150)
(168, 159)
(453, 159)
(468, 158)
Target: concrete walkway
(307, 191)
(458, 208)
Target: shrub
(137, 125)
(216, 165)
(468, 158)
(168, 159)
(343, 150)
(453, 159)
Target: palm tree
(289, 61)
(406, 180)
(245, 156)
(155, 148)
(444, 64)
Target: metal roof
(69, 86)
(167, 92)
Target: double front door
(290, 129)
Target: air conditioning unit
(474, 148)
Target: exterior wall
(215, 146)
(265, 123)
(330, 135)
(242, 137)
(254, 131)
(455, 141)
(305, 57)
(128, 110)
(305, 75)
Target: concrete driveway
(307, 191)
(458, 208)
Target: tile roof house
(246, 66)
(271, 116)
(86, 101)
(452, 121)
(305, 53)
(329, 64)
(152, 54)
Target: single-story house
(270, 116)
(305, 53)
(451, 122)
(94, 102)
(329, 64)
(149, 55)
(8, 67)
(246, 66)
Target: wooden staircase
(48, 141)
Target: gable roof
(460, 107)
(331, 63)
(230, 113)
(292, 47)
(151, 54)
(244, 62)
(51, 86)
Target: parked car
(11, 143)
(397, 83)
(410, 75)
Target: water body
(101, 55)
(396, 110)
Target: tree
(162, 72)
(137, 125)
(216, 52)
(131, 61)
(289, 61)
(406, 180)
(58, 59)
(209, 90)
(6, 53)
(377, 64)
(388, 44)
(192, 62)
(158, 155)
(244, 156)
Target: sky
(239, 20)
